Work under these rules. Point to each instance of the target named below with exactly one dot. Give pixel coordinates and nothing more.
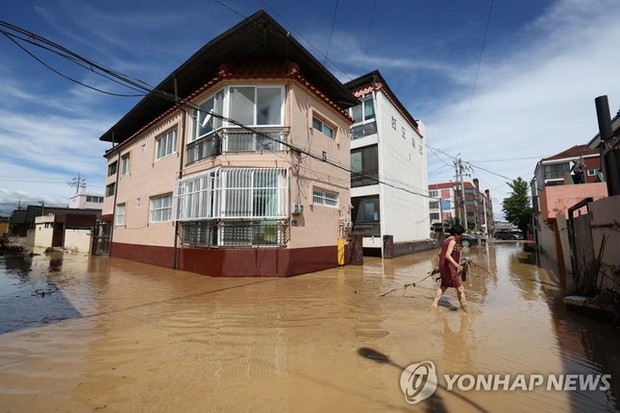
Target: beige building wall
(147, 177)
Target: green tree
(517, 206)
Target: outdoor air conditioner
(298, 209)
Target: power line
(473, 91)
(372, 21)
(331, 33)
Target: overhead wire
(473, 91)
(331, 32)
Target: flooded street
(84, 334)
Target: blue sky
(543, 64)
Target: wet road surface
(85, 334)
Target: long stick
(430, 274)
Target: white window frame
(211, 195)
(201, 117)
(120, 216)
(169, 148)
(591, 172)
(125, 164)
(364, 116)
(324, 197)
(228, 104)
(159, 213)
(323, 126)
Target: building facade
(248, 176)
(84, 200)
(447, 204)
(388, 164)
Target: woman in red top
(450, 267)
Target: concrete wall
(43, 231)
(79, 239)
(605, 223)
(557, 199)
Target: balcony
(364, 178)
(367, 229)
(236, 140)
(361, 131)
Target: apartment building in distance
(388, 163)
(245, 172)
(475, 210)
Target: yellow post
(340, 251)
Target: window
(205, 123)
(125, 164)
(592, 172)
(256, 105)
(322, 127)
(434, 216)
(324, 197)
(112, 168)
(365, 159)
(433, 194)
(166, 144)
(120, 215)
(233, 193)
(556, 171)
(365, 209)
(161, 208)
(433, 205)
(93, 198)
(110, 189)
(365, 111)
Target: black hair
(457, 230)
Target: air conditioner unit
(298, 209)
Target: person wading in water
(450, 267)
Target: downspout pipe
(118, 161)
(180, 172)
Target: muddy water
(118, 336)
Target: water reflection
(30, 297)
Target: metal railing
(367, 229)
(366, 129)
(235, 233)
(226, 140)
(364, 178)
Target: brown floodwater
(86, 334)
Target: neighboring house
(23, 220)
(388, 164)
(446, 199)
(559, 168)
(84, 200)
(68, 230)
(248, 175)
(554, 191)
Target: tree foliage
(517, 207)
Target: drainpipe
(180, 174)
(609, 162)
(118, 160)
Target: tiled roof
(574, 152)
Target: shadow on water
(435, 403)
(587, 346)
(29, 297)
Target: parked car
(509, 234)
(467, 240)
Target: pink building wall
(557, 199)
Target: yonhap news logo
(419, 381)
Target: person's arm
(448, 255)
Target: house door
(58, 236)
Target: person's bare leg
(460, 292)
(438, 294)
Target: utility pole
(460, 207)
(78, 182)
